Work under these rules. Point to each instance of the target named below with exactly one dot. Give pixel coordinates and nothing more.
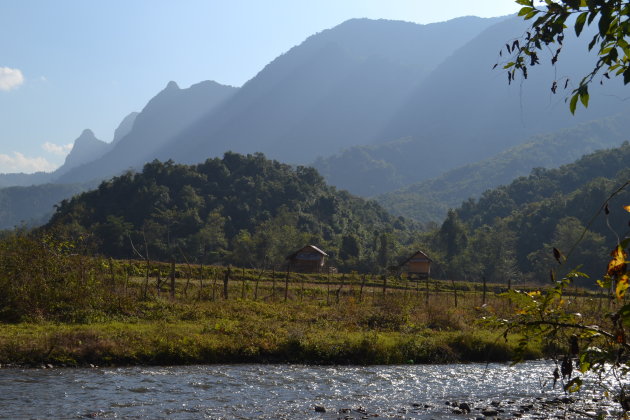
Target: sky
(68, 65)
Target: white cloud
(20, 163)
(56, 149)
(10, 78)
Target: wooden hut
(417, 265)
(309, 259)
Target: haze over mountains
(374, 105)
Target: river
(291, 392)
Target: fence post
(173, 279)
(226, 279)
(286, 283)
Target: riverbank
(105, 313)
(388, 330)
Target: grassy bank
(390, 330)
(62, 308)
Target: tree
(452, 235)
(491, 254)
(547, 32)
(586, 248)
(597, 345)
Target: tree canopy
(245, 210)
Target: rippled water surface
(280, 391)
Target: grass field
(337, 319)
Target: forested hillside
(511, 230)
(33, 206)
(428, 201)
(242, 209)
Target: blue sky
(67, 65)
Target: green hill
(241, 209)
(510, 231)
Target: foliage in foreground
(585, 342)
(547, 32)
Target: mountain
(91, 160)
(464, 112)
(429, 200)
(338, 88)
(164, 116)
(85, 149)
(125, 127)
(22, 179)
(396, 108)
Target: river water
(291, 392)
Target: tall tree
(452, 235)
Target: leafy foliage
(610, 40)
(587, 341)
(44, 278)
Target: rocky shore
(533, 408)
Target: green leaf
(579, 23)
(604, 21)
(524, 11)
(531, 14)
(626, 76)
(574, 385)
(624, 314)
(574, 4)
(573, 103)
(584, 97)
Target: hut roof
(311, 247)
(415, 254)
